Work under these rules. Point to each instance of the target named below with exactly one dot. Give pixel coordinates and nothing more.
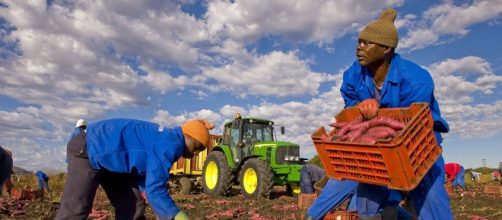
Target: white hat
(81, 122)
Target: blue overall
(404, 84)
(138, 152)
(459, 179)
(43, 181)
(142, 148)
(309, 174)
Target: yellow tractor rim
(250, 180)
(296, 189)
(211, 175)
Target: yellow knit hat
(382, 31)
(198, 130)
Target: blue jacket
(404, 84)
(141, 148)
(41, 176)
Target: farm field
(474, 204)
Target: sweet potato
(361, 125)
(377, 129)
(346, 127)
(386, 121)
(378, 133)
(366, 139)
(353, 135)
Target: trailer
(185, 174)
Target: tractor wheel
(216, 175)
(292, 189)
(185, 185)
(255, 178)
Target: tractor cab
(242, 134)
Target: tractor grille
(282, 152)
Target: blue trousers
(43, 184)
(429, 198)
(459, 179)
(333, 193)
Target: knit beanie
(198, 130)
(382, 31)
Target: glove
(368, 108)
(181, 216)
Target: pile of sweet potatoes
(367, 132)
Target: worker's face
(369, 53)
(193, 147)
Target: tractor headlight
(291, 158)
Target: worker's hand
(368, 108)
(181, 216)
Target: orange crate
(493, 190)
(341, 215)
(398, 163)
(306, 200)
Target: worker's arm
(158, 165)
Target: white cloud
(457, 79)
(275, 74)
(447, 20)
(308, 21)
(458, 83)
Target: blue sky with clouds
(168, 61)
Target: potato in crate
(398, 162)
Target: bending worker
(125, 156)
(310, 174)
(455, 173)
(5, 166)
(79, 127)
(43, 180)
(380, 78)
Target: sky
(169, 61)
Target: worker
(500, 167)
(380, 78)
(6, 169)
(310, 174)
(455, 173)
(475, 176)
(495, 176)
(127, 157)
(43, 180)
(79, 127)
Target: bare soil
(473, 204)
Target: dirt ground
(474, 204)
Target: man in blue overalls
(380, 78)
(43, 180)
(125, 156)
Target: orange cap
(198, 130)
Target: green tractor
(249, 155)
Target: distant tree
(315, 160)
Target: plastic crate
(341, 215)
(493, 190)
(26, 194)
(306, 200)
(398, 163)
